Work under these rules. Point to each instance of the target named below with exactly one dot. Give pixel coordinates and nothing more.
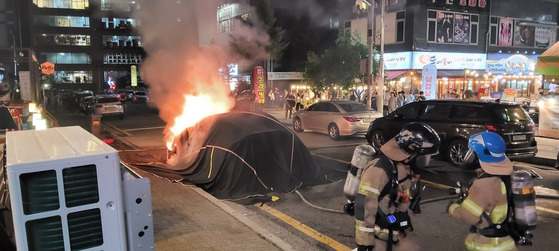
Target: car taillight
(351, 119)
(496, 128)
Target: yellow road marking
(107, 124)
(304, 228)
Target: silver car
(335, 118)
(107, 105)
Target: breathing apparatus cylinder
(361, 156)
(524, 199)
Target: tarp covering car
(239, 155)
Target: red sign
(47, 68)
(259, 84)
(482, 3)
(463, 2)
(472, 3)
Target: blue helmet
(489, 147)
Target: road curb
(540, 161)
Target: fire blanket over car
(236, 155)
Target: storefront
(515, 71)
(456, 72)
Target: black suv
(456, 120)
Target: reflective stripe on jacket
(487, 195)
(373, 180)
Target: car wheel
(377, 140)
(456, 152)
(333, 131)
(297, 124)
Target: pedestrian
(386, 96)
(277, 97)
(352, 95)
(400, 99)
(392, 102)
(289, 104)
(486, 204)
(410, 98)
(374, 100)
(469, 95)
(421, 96)
(386, 191)
(271, 98)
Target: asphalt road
(318, 224)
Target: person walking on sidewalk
(289, 104)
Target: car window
(355, 107)
(107, 100)
(512, 113)
(408, 111)
(313, 107)
(141, 93)
(469, 113)
(330, 108)
(436, 112)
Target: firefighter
(383, 197)
(486, 203)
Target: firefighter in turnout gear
(485, 207)
(383, 198)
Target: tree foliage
(339, 65)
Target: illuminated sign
(398, 60)
(429, 81)
(511, 63)
(285, 75)
(259, 84)
(449, 61)
(133, 76)
(47, 68)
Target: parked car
(456, 120)
(140, 96)
(85, 104)
(335, 118)
(107, 105)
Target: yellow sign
(47, 68)
(133, 76)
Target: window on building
(513, 32)
(447, 27)
(62, 4)
(118, 23)
(400, 24)
(65, 58)
(62, 21)
(63, 39)
(120, 5)
(111, 42)
(73, 77)
(122, 58)
(225, 26)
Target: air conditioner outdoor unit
(67, 191)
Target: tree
(338, 65)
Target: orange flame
(195, 108)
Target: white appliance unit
(65, 190)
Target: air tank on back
(361, 156)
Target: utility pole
(380, 75)
(370, 41)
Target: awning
(389, 75)
(548, 61)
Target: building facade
(480, 45)
(92, 43)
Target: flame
(195, 108)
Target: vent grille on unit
(45, 234)
(39, 192)
(80, 185)
(85, 229)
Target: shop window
(111, 42)
(118, 23)
(120, 5)
(62, 4)
(73, 77)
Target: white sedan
(335, 118)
